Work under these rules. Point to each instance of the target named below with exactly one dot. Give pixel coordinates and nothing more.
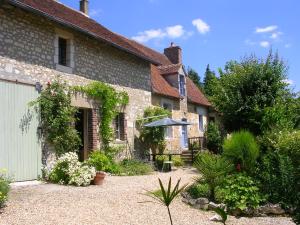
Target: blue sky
(209, 32)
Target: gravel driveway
(114, 203)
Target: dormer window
(182, 85)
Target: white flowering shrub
(68, 170)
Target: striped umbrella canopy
(166, 122)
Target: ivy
(111, 102)
(58, 117)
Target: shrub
(213, 169)
(199, 190)
(213, 138)
(242, 149)
(159, 161)
(131, 167)
(68, 170)
(177, 161)
(4, 187)
(99, 161)
(239, 191)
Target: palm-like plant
(213, 169)
(165, 196)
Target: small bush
(213, 169)
(199, 190)
(213, 138)
(159, 161)
(4, 188)
(241, 148)
(239, 191)
(177, 161)
(99, 160)
(130, 167)
(68, 170)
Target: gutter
(74, 27)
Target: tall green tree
(194, 76)
(246, 88)
(209, 81)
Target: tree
(210, 81)
(246, 88)
(194, 76)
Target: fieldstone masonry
(27, 52)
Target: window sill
(64, 69)
(118, 141)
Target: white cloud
(276, 35)
(287, 45)
(264, 44)
(95, 12)
(289, 82)
(171, 32)
(201, 26)
(175, 31)
(266, 29)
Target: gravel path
(114, 203)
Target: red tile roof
(77, 20)
(169, 69)
(66, 16)
(160, 85)
(194, 94)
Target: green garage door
(20, 149)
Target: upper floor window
(62, 51)
(182, 85)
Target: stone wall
(27, 54)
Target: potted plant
(101, 163)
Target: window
(201, 125)
(62, 51)
(182, 85)
(119, 125)
(167, 104)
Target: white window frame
(202, 112)
(201, 125)
(169, 131)
(70, 51)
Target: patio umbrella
(165, 122)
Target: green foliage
(68, 170)
(213, 169)
(239, 191)
(194, 76)
(246, 88)
(99, 161)
(177, 161)
(58, 117)
(129, 167)
(214, 138)
(111, 101)
(199, 190)
(284, 115)
(210, 81)
(221, 212)
(152, 137)
(4, 187)
(159, 161)
(241, 148)
(166, 195)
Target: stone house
(43, 40)
(172, 89)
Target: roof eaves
(72, 26)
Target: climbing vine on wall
(111, 102)
(58, 117)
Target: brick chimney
(174, 54)
(84, 6)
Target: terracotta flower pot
(99, 178)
